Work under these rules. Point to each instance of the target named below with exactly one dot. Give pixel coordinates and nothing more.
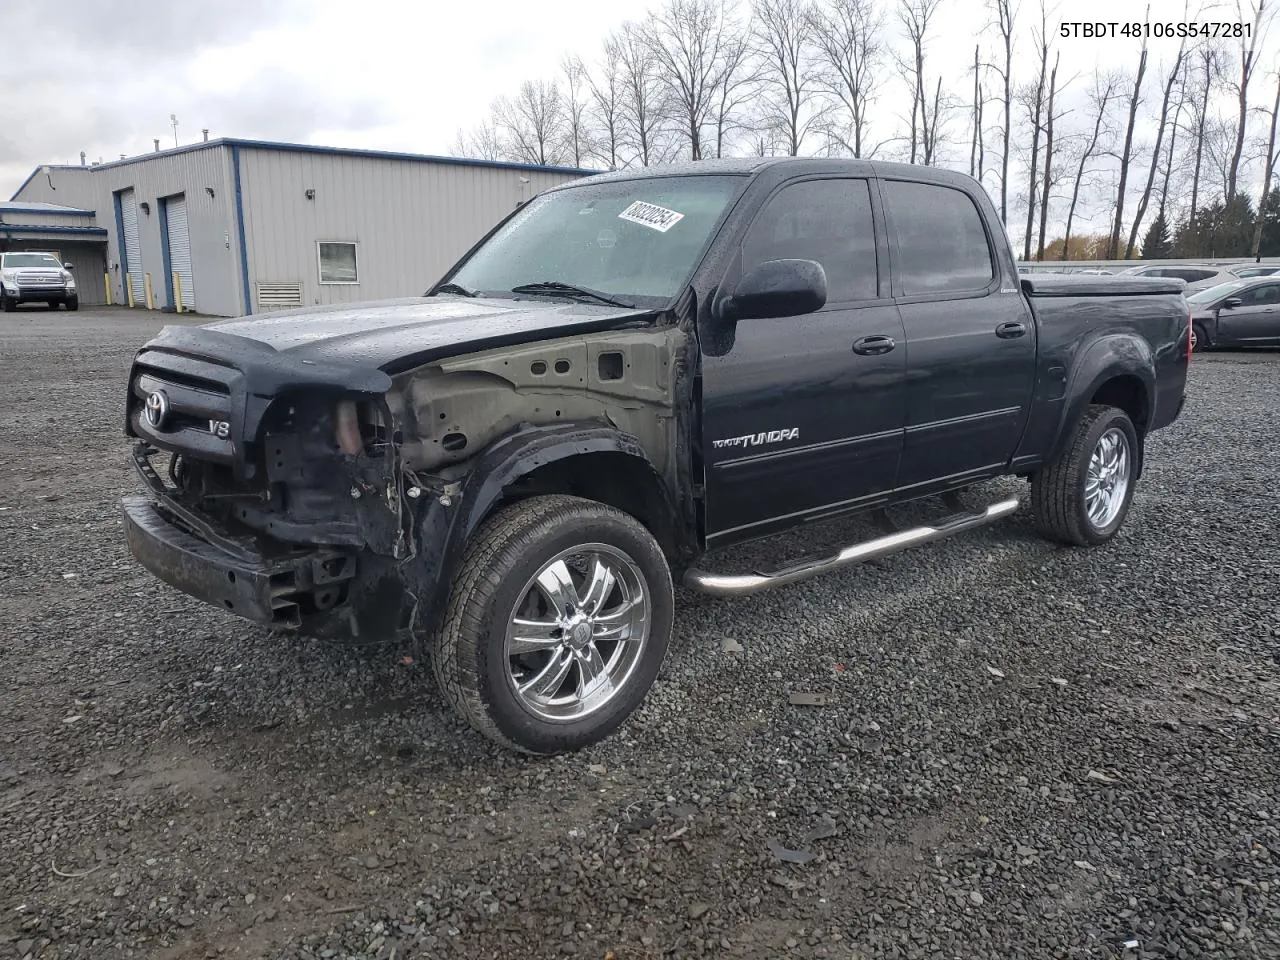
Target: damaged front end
(273, 487)
(336, 499)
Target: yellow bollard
(177, 291)
(146, 283)
(128, 287)
(107, 285)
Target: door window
(942, 246)
(824, 220)
(1266, 295)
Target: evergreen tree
(1270, 246)
(1218, 230)
(1156, 245)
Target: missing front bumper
(275, 591)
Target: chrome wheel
(1107, 479)
(577, 631)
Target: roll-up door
(180, 250)
(132, 249)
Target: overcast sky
(103, 76)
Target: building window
(337, 262)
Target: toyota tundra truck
(628, 373)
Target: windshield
(1209, 294)
(634, 240)
(30, 260)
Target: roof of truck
(847, 166)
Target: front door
(971, 340)
(1256, 319)
(803, 416)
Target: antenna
(173, 121)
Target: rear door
(971, 343)
(803, 416)
(1256, 319)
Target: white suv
(36, 277)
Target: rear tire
(1083, 497)
(1202, 342)
(587, 656)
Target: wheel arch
(1116, 370)
(594, 461)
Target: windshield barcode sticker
(651, 215)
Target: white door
(132, 249)
(180, 251)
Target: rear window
(942, 246)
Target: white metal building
(229, 227)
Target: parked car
(1239, 313)
(631, 370)
(36, 278)
(1246, 270)
(1196, 277)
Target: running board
(738, 585)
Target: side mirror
(68, 266)
(776, 288)
(1232, 302)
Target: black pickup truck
(632, 369)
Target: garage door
(180, 251)
(132, 249)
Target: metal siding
(132, 255)
(180, 249)
(411, 220)
(210, 224)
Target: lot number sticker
(651, 215)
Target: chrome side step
(738, 585)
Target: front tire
(557, 624)
(8, 304)
(1083, 497)
(73, 303)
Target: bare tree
(1104, 92)
(850, 48)
(1048, 156)
(1201, 110)
(575, 107)
(686, 37)
(1174, 78)
(533, 122)
(1126, 156)
(640, 110)
(482, 143)
(915, 16)
(782, 33)
(606, 94)
(1173, 138)
(975, 141)
(1270, 159)
(1035, 109)
(1006, 12)
(734, 88)
(1248, 63)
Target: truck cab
(513, 471)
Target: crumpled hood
(394, 335)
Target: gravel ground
(1025, 751)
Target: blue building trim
(63, 212)
(120, 244)
(234, 143)
(163, 203)
(244, 247)
(12, 228)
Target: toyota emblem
(157, 409)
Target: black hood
(394, 335)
